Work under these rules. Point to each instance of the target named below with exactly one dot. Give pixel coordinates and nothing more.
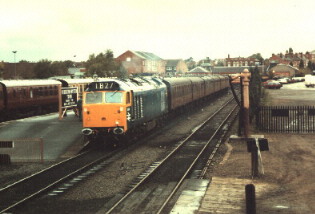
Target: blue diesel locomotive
(122, 107)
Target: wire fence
(22, 150)
(290, 119)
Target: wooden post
(245, 75)
(41, 144)
(254, 158)
(60, 102)
(250, 199)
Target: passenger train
(19, 98)
(121, 107)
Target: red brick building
(240, 61)
(293, 59)
(282, 70)
(143, 63)
(175, 66)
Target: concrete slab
(57, 135)
(227, 195)
(190, 199)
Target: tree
(220, 63)
(290, 51)
(301, 65)
(60, 68)
(257, 56)
(254, 91)
(42, 69)
(311, 66)
(1, 69)
(103, 65)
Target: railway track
(62, 176)
(153, 190)
(74, 168)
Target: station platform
(42, 138)
(220, 195)
(286, 187)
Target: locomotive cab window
(92, 98)
(113, 97)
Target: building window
(128, 59)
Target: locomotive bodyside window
(127, 98)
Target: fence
(290, 119)
(23, 150)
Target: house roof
(233, 70)
(206, 64)
(283, 67)
(199, 70)
(146, 55)
(172, 62)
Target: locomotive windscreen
(101, 86)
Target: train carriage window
(55, 90)
(95, 97)
(31, 93)
(113, 97)
(50, 90)
(46, 91)
(40, 91)
(35, 92)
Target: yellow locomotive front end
(105, 109)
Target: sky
(172, 29)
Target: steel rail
(113, 207)
(52, 184)
(193, 163)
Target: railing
(290, 119)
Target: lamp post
(14, 52)
(74, 61)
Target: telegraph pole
(14, 52)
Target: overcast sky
(171, 29)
